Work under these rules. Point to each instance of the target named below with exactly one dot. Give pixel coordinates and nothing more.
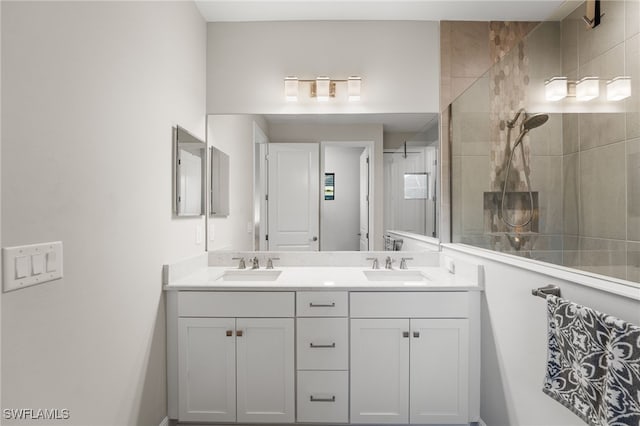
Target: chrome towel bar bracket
(546, 290)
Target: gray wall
(398, 62)
(91, 91)
(233, 134)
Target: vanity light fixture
(353, 88)
(555, 88)
(322, 88)
(291, 89)
(587, 88)
(619, 88)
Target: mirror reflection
(219, 183)
(331, 182)
(189, 166)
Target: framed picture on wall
(329, 186)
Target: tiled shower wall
(584, 162)
(480, 143)
(601, 151)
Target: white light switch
(51, 261)
(37, 264)
(24, 266)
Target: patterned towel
(593, 365)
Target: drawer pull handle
(239, 333)
(416, 334)
(322, 305)
(229, 333)
(405, 334)
(314, 399)
(312, 345)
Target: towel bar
(546, 290)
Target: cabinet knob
(239, 333)
(229, 333)
(416, 334)
(405, 334)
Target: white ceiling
(416, 10)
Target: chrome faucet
(241, 264)
(388, 263)
(403, 262)
(255, 263)
(375, 262)
(270, 262)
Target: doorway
(345, 212)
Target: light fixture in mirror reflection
(189, 163)
(587, 88)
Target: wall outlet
(249, 227)
(24, 266)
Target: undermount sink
(250, 275)
(396, 275)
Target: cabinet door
(380, 371)
(206, 370)
(439, 371)
(266, 370)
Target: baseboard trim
(165, 422)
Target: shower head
(533, 121)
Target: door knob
(314, 239)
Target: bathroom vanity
(327, 345)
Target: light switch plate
(44, 263)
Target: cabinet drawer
(323, 396)
(236, 304)
(322, 303)
(322, 344)
(428, 304)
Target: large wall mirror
(189, 163)
(327, 182)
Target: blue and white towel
(593, 365)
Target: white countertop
(322, 278)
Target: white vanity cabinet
(327, 357)
(323, 356)
(236, 368)
(409, 358)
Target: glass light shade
(353, 88)
(322, 89)
(588, 88)
(555, 88)
(291, 89)
(619, 88)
